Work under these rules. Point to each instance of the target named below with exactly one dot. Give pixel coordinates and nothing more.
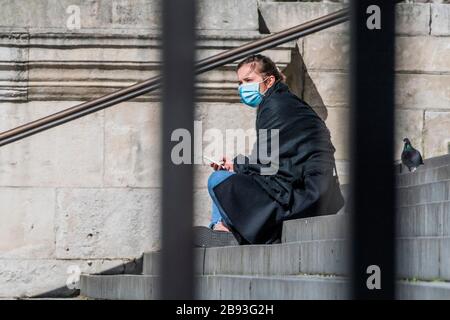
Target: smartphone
(213, 161)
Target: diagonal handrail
(154, 83)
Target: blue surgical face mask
(249, 93)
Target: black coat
(257, 203)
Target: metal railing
(154, 83)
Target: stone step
(424, 258)
(423, 193)
(423, 176)
(302, 287)
(424, 220)
(415, 194)
(436, 170)
(423, 290)
(412, 195)
(145, 287)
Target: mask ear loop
(263, 82)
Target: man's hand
(226, 165)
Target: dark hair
(264, 65)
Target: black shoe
(207, 237)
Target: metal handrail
(154, 83)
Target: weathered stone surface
(413, 91)
(423, 290)
(315, 228)
(106, 223)
(337, 122)
(132, 140)
(220, 287)
(425, 220)
(152, 260)
(440, 19)
(444, 258)
(326, 51)
(61, 65)
(66, 156)
(324, 257)
(256, 288)
(412, 18)
(331, 51)
(423, 176)
(233, 121)
(418, 258)
(202, 207)
(422, 54)
(120, 287)
(27, 223)
(283, 15)
(13, 71)
(423, 91)
(424, 258)
(32, 277)
(328, 89)
(222, 15)
(436, 133)
(213, 14)
(425, 193)
(132, 145)
(257, 260)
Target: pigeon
(411, 158)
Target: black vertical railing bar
(154, 83)
(372, 179)
(178, 96)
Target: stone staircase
(311, 261)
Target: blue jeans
(217, 213)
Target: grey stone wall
(87, 193)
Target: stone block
(202, 207)
(132, 145)
(326, 89)
(440, 19)
(423, 91)
(132, 140)
(436, 133)
(412, 18)
(65, 156)
(279, 16)
(337, 121)
(122, 14)
(326, 51)
(27, 223)
(107, 223)
(422, 54)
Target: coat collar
(276, 87)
